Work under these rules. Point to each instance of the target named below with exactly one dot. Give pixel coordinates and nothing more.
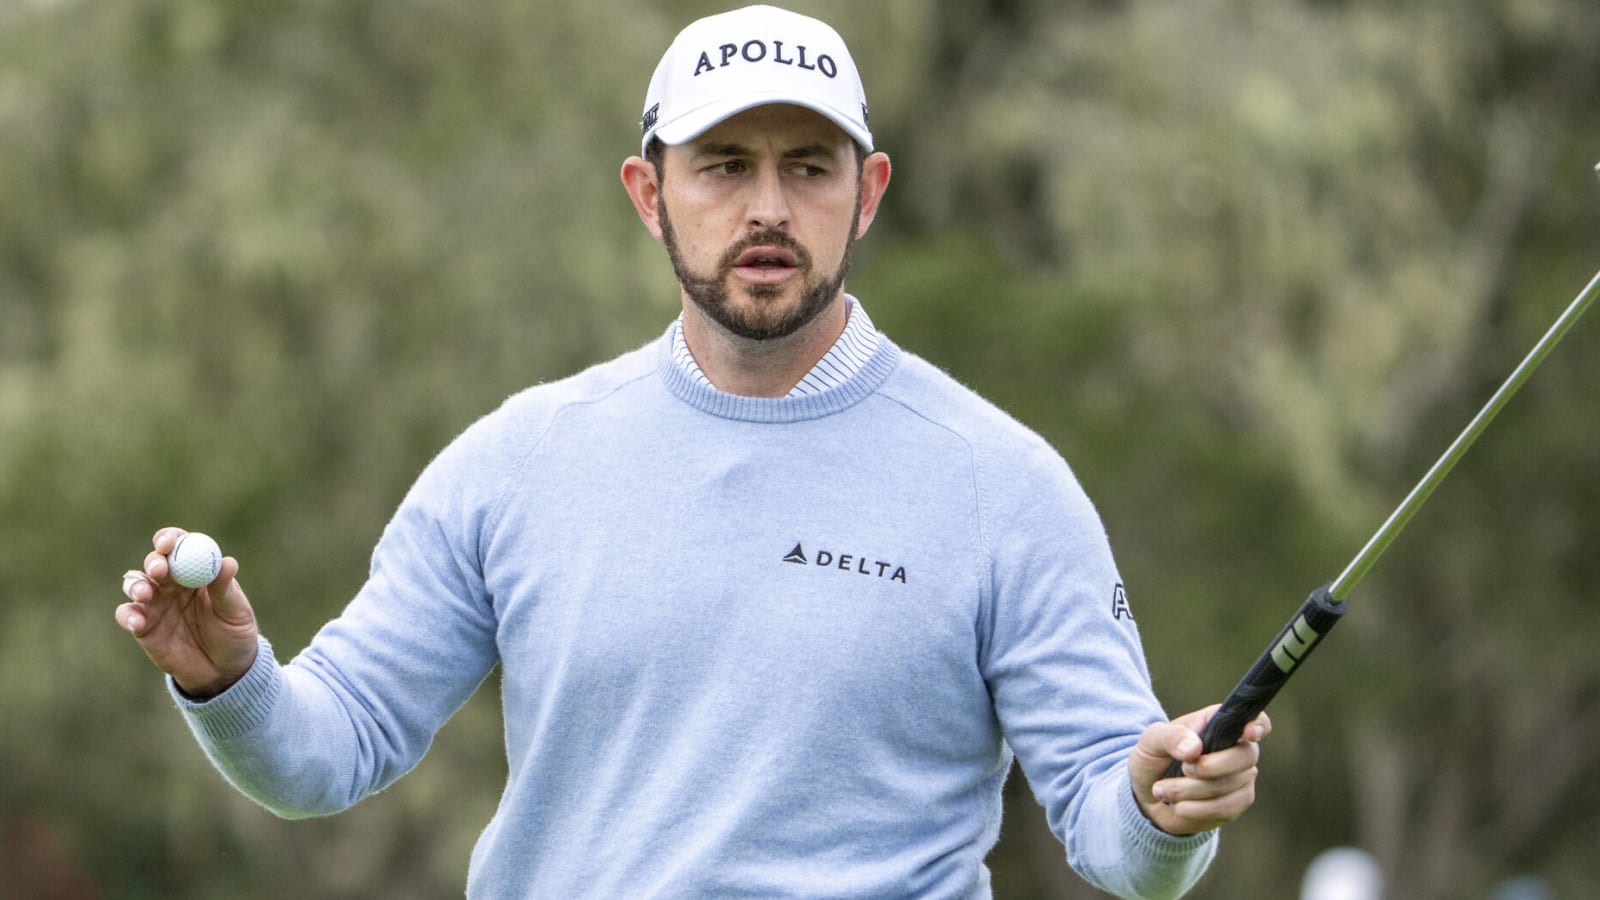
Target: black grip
(1315, 618)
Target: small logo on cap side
(650, 117)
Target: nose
(769, 206)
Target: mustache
(767, 237)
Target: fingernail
(1188, 746)
(1159, 791)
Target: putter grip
(1315, 618)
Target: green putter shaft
(1326, 605)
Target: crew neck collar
(837, 398)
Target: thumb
(227, 598)
(1158, 746)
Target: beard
(764, 319)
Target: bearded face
(782, 291)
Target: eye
(727, 167)
(806, 170)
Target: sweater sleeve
(359, 707)
(1067, 672)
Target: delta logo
(846, 562)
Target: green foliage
(1249, 265)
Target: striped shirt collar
(845, 359)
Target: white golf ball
(195, 560)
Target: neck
(753, 368)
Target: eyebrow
(808, 151)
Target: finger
(1260, 728)
(136, 586)
(1211, 812)
(131, 618)
(1223, 764)
(166, 538)
(1177, 790)
(156, 567)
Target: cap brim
(698, 121)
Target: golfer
(775, 602)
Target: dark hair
(654, 152)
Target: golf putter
(1326, 605)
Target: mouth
(766, 264)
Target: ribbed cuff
(243, 707)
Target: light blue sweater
(748, 647)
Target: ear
(875, 171)
(639, 179)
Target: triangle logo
(796, 556)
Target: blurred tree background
(1249, 265)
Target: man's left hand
(1214, 789)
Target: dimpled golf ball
(195, 560)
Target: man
(774, 600)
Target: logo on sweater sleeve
(1119, 604)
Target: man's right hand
(205, 638)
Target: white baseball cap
(725, 64)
